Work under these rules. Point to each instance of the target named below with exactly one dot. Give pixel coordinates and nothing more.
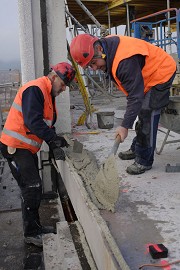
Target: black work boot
(127, 155)
(35, 240)
(137, 168)
(48, 229)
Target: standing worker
(144, 73)
(31, 121)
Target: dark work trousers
(24, 168)
(147, 125)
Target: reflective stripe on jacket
(15, 133)
(159, 66)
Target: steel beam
(110, 6)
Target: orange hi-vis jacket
(159, 66)
(15, 134)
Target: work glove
(55, 147)
(59, 154)
(57, 142)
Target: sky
(9, 34)
(9, 31)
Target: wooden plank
(113, 4)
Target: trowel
(115, 146)
(106, 183)
(77, 147)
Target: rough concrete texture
(53, 258)
(95, 179)
(107, 194)
(67, 246)
(59, 251)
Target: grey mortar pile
(102, 184)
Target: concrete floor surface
(147, 210)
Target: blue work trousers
(144, 143)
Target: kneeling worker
(31, 121)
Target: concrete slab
(147, 209)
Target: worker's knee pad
(31, 197)
(143, 128)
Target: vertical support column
(30, 37)
(44, 37)
(109, 21)
(37, 35)
(56, 27)
(169, 26)
(128, 21)
(26, 40)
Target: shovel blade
(77, 147)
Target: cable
(159, 265)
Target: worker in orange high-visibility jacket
(31, 121)
(144, 73)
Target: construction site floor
(15, 254)
(147, 210)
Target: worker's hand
(57, 142)
(59, 154)
(122, 132)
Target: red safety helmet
(82, 49)
(65, 71)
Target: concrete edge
(52, 255)
(67, 245)
(104, 249)
(60, 210)
(85, 245)
(59, 252)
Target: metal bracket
(170, 168)
(165, 141)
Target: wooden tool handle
(115, 145)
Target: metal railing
(159, 31)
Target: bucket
(105, 120)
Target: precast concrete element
(59, 250)
(31, 48)
(46, 171)
(56, 27)
(37, 42)
(105, 252)
(85, 246)
(30, 37)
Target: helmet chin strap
(103, 56)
